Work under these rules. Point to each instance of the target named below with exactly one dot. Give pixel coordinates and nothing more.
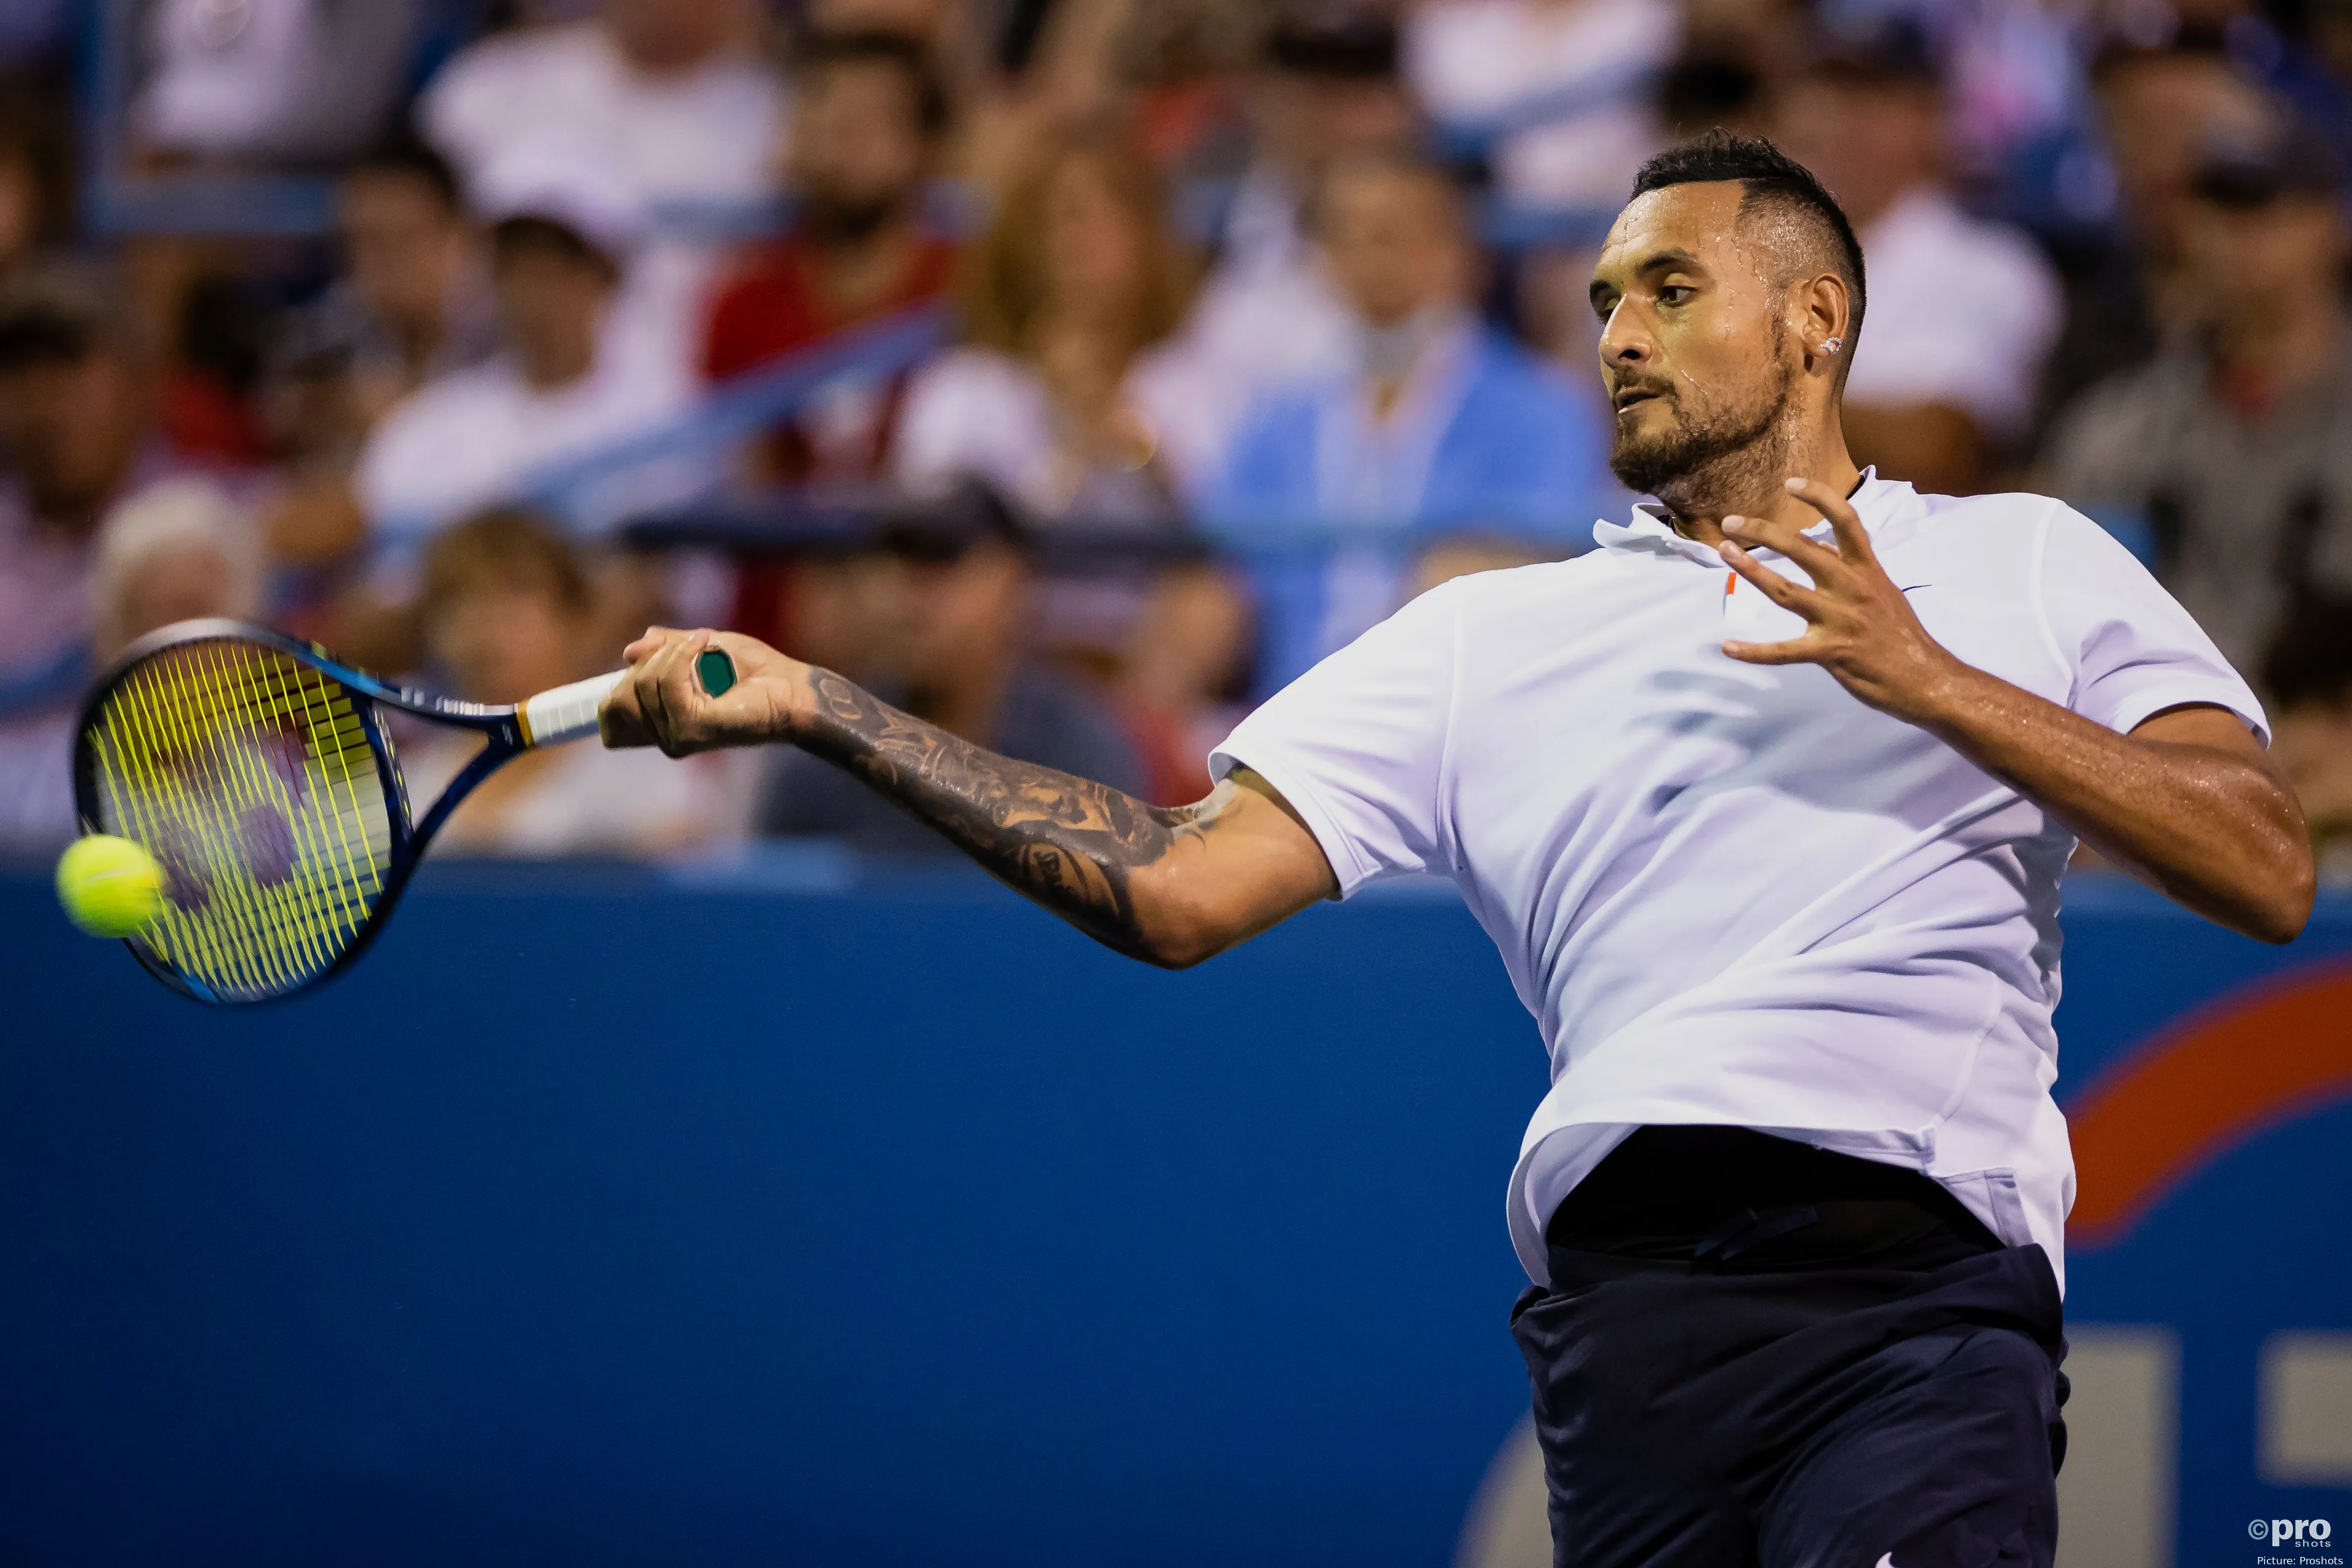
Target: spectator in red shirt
(867, 118)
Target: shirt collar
(1875, 500)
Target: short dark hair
(60, 313)
(1767, 177)
(1896, 53)
(943, 527)
(37, 134)
(822, 51)
(527, 232)
(409, 156)
(1344, 43)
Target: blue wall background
(606, 1217)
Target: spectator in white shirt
(1962, 311)
(508, 610)
(671, 93)
(415, 281)
(567, 381)
(674, 109)
(413, 305)
(298, 81)
(1572, 79)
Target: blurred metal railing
(728, 413)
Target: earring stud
(1833, 345)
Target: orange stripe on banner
(2260, 1058)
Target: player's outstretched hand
(663, 703)
(1859, 626)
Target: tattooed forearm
(1068, 843)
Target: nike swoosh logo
(1885, 1558)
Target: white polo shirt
(1731, 894)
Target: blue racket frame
(503, 725)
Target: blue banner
(604, 1216)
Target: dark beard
(1719, 461)
(828, 221)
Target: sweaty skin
(1170, 885)
(2189, 802)
(1714, 327)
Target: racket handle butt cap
(715, 668)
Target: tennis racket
(258, 771)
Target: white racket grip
(568, 713)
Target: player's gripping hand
(663, 703)
(1860, 627)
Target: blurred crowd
(1071, 372)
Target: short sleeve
(2132, 649)
(1356, 744)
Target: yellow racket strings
(249, 777)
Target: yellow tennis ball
(110, 886)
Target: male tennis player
(1766, 802)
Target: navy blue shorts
(1817, 1416)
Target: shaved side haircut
(1810, 233)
